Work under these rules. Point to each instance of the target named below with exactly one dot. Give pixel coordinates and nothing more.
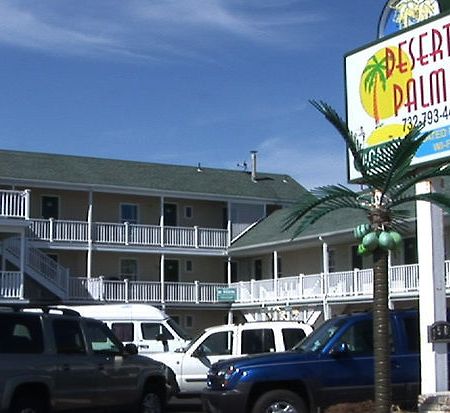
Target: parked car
(149, 328)
(55, 360)
(332, 365)
(190, 364)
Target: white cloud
(147, 29)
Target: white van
(190, 364)
(149, 328)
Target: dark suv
(55, 360)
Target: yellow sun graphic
(388, 68)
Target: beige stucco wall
(204, 213)
(200, 319)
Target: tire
(28, 403)
(151, 403)
(279, 401)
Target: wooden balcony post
(355, 281)
(126, 288)
(162, 279)
(101, 288)
(252, 290)
(197, 292)
(27, 203)
(196, 238)
(51, 222)
(126, 229)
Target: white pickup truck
(191, 363)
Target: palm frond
(439, 199)
(327, 199)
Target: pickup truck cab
(191, 363)
(334, 364)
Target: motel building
(204, 244)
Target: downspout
(326, 271)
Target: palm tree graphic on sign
(374, 74)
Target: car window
(257, 341)
(123, 331)
(359, 337)
(101, 339)
(151, 331)
(20, 334)
(292, 336)
(68, 337)
(218, 344)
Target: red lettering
(436, 41)
(390, 62)
(402, 65)
(411, 94)
(423, 58)
(398, 98)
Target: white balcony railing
(309, 289)
(15, 204)
(11, 284)
(52, 230)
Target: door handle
(144, 346)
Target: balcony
(14, 204)
(113, 234)
(313, 289)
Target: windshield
(178, 329)
(317, 340)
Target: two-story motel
(202, 243)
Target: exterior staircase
(41, 268)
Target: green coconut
(386, 241)
(362, 230)
(370, 241)
(397, 238)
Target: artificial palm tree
(389, 183)
(375, 73)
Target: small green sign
(226, 294)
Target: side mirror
(339, 350)
(130, 349)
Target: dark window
(218, 344)
(129, 213)
(171, 270)
(412, 334)
(20, 334)
(101, 339)
(50, 207)
(170, 215)
(291, 336)
(257, 341)
(68, 337)
(151, 331)
(123, 331)
(410, 247)
(257, 269)
(357, 260)
(359, 337)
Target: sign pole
(432, 300)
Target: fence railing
(53, 230)
(11, 284)
(313, 288)
(15, 204)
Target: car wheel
(28, 403)
(150, 403)
(279, 401)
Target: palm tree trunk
(381, 331)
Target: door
(197, 361)
(50, 207)
(76, 374)
(171, 271)
(349, 365)
(170, 215)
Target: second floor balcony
(116, 234)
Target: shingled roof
(45, 169)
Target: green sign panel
(226, 294)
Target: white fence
(11, 284)
(314, 288)
(15, 204)
(53, 230)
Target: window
(257, 341)
(129, 213)
(188, 321)
(188, 212)
(292, 336)
(101, 339)
(68, 337)
(20, 334)
(123, 331)
(128, 268)
(359, 337)
(50, 207)
(218, 344)
(170, 215)
(188, 266)
(412, 334)
(331, 260)
(357, 260)
(257, 266)
(410, 248)
(151, 331)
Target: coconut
(386, 241)
(370, 241)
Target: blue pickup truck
(332, 365)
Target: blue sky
(181, 81)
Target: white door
(216, 346)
